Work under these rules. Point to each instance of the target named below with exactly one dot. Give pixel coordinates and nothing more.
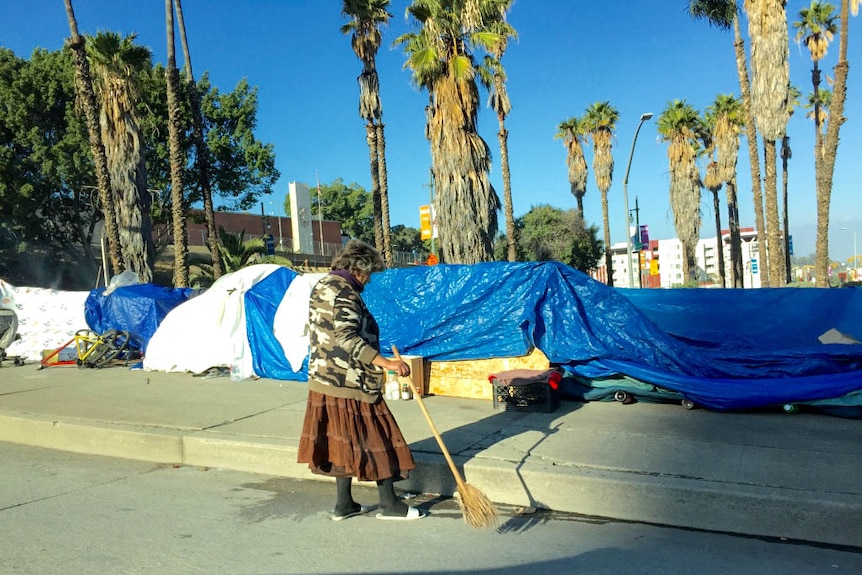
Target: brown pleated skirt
(352, 438)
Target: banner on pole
(427, 222)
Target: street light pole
(855, 264)
(644, 117)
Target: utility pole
(639, 244)
(319, 213)
(430, 186)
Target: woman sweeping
(348, 429)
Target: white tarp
(47, 318)
(208, 330)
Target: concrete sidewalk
(765, 474)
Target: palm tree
(712, 182)
(725, 119)
(818, 111)
(680, 125)
(573, 133)
(86, 94)
(601, 119)
(116, 63)
(366, 18)
(816, 27)
(235, 252)
(836, 113)
(494, 78)
(767, 27)
(177, 158)
(202, 157)
(441, 56)
(724, 14)
(786, 154)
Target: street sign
(432, 260)
(790, 245)
(644, 236)
(754, 265)
(269, 242)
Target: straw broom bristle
(479, 512)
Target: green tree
(573, 133)
(767, 27)
(601, 120)
(680, 125)
(441, 57)
(366, 19)
(48, 196)
(116, 63)
(349, 204)
(724, 14)
(549, 233)
(243, 168)
(47, 179)
(406, 239)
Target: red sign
(432, 260)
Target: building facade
(660, 264)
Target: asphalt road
(65, 513)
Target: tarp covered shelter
(254, 318)
(768, 352)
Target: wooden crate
(469, 378)
(418, 373)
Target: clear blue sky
(638, 55)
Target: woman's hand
(399, 367)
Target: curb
(602, 494)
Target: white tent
(210, 330)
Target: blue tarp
(723, 349)
(137, 309)
(261, 303)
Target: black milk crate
(526, 390)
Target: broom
(477, 509)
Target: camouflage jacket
(343, 341)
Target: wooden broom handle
(418, 397)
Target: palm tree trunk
(201, 150)
(384, 196)
(785, 156)
(84, 87)
(736, 268)
(371, 139)
(178, 212)
(503, 137)
(719, 241)
(751, 136)
(774, 247)
(830, 148)
(609, 263)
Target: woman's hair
(357, 256)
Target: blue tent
(137, 309)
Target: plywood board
(469, 378)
